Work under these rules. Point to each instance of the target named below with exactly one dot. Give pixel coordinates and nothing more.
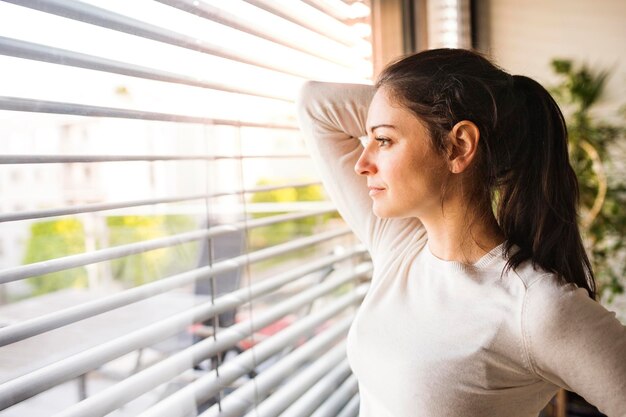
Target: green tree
(148, 266)
(281, 232)
(54, 239)
(58, 238)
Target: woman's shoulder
(552, 306)
(550, 303)
(540, 283)
(531, 274)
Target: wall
(523, 36)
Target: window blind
(166, 249)
(449, 24)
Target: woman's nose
(365, 165)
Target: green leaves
(54, 239)
(592, 144)
(581, 86)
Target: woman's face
(404, 173)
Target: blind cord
(210, 254)
(247, 268)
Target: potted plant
(595, 149)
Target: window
(178, 253)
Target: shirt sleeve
(576, 343)
(333, 117)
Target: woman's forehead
(384, 111)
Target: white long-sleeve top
(436, 338)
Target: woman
(470, 312)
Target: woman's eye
(382, 141)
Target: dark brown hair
(522, 165)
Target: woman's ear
(463, 146)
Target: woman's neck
(453, 236)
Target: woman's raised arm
(333, 118)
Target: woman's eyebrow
(371, 129)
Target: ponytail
(523, 161)
(538, 196)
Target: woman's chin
(381, 212)
(385, 212)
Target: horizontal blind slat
(308, 19)
(166, 284)
(101, 17)
(320, 391)
(352, 408)
(29, 50)
(268, 380)
(29, 328)
(70, 159)
(293, 389)
(35, 382)
(57, 107)
(327, 363)
(338, 399)
(221, 16)
(88, 208)
(139, 383)
(82, 259)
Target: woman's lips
(375, 191)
